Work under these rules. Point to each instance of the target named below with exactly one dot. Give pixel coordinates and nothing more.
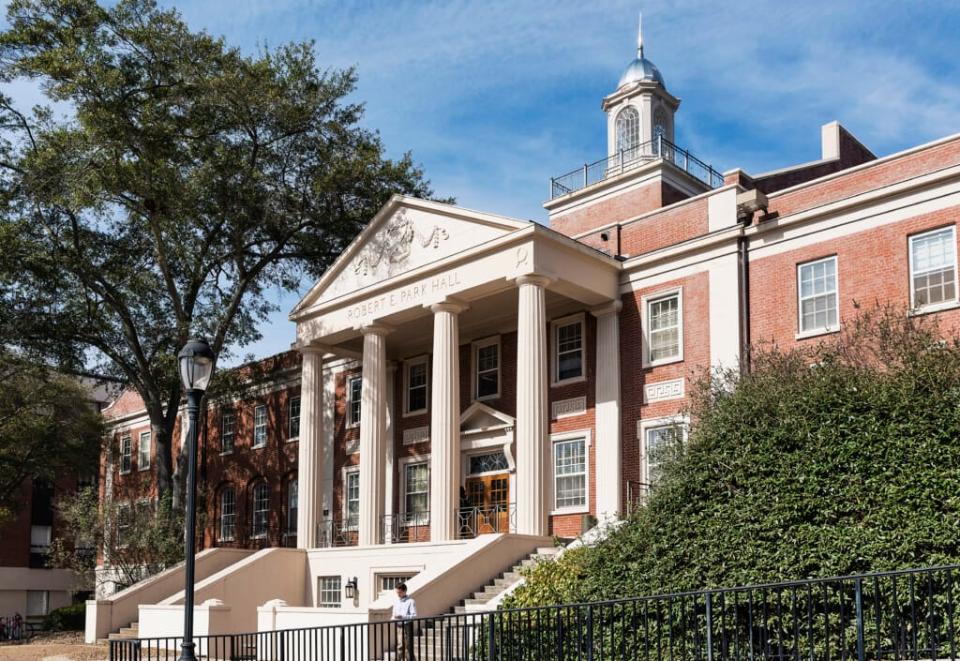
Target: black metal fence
(893, 616)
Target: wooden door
(489, 499)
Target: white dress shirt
(405, 608)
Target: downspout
(743, 264)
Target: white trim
(149, 434)
(818, 330)
(219, 513)
(291, 439)
(643, 426)
(560, 437)
(945, 304)
(348, 417)
(645, 302)
(233, 435)
(125, 437)
(555, 325)
(476, 345)
(468, 454)
(345, 517)
(423, 359)
(266, 427)
(253, 509)
(402, 465)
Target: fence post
(584, 175)
(492, 637)
(283, 647)
(552, 179)
(858, 601)
(709, 613)
(590, 632)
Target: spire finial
(640, 36)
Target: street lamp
(196, 367)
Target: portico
(430, 280)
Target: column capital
(454, 305)
(613, 307)
(376, 329)
(533, 279)
(311, 349)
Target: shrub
(67, 618)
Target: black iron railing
(474, 521)
(628, 159)
(890, 616)
(636, 492)
(337, 532)
(405, 528)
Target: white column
(373, 433)
(445, 421)
(389, 456)
(310, 448)
(609, 478)
(532, 429)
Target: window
(228, 430)
(416, 500)
(261, 510)
(486, 357)
(416, 379)
(664, 329)
(38, 603)
(260, 426)
(489, 462)
(659, 126)
(126, 454)
(293, 417)
(570, 473)
(143, 451)
(123, 524)
(292, 506)
(354, 395)
(933, 268)
(40, 537)
(351, 504)
(568, 343)
(228, 514)
(628, 129)
(391, 581)
(659, 443)
(817, 291)
(328, 592)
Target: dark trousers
(407, 642)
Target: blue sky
(493, 97)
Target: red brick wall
(872, 266)
(610, 210)
(634, 377)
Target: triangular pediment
(479, 417)
(406, 233)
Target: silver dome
(641, 69)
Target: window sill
(258, 447)
(930, 309)
(567, 382)
(663, 361)
(125, 472)
(353, 425)
(487, 398)
(570, 510)
(292, 439)
(224, 453)
(816, 332)
(410, 414)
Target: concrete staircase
(131, 632)
(452, 638)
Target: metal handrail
(628, 159)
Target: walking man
(404, 612)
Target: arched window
(292, 506)
(659, 124)
(260, 500)
(228, 514)
(628, 129)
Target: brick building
(466, 375)
(28, 585)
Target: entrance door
(488, 505)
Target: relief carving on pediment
(394, 244)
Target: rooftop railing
(629, 159)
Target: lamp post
(196, 367)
